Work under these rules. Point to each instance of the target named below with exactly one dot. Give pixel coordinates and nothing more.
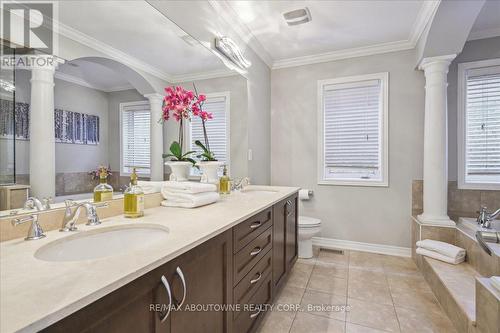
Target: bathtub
(469, 226)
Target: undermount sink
(257, 190)
(102, 242)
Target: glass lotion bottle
(103, 191)
(224, 182)
(133, 201)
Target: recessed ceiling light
(298, 16)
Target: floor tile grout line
(300, 302)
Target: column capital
(154, 97)
(44, 62)
(436, 63)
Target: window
(135, 152)
(217, 128)
(352, 123)
(479, 125)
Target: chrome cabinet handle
(255, 225)
(256, 279)
(253, 315)
(256, 251)
(169, 293)
(183, 280)
(289, 205)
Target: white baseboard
(330, 243)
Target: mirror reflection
(108, 89)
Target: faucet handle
(92, 217)
(35, 231)
(69, 203)
(46, 202)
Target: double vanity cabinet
(218, 286)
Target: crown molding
(110, 51)
(83, 83)
(424, 16)
(482, 34)
(203, 75)
(224, 10)
(344, 54)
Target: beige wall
(364, 214)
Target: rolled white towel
(189, 200)
(443, 248)
(495, 282)
(150, 186)
(439, 256)
(188, 187)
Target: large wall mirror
(107, 84)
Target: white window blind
(135, 129)
(482, 130)
(217, 129)
(354, 132)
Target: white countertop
(35, 294)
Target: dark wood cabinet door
(128, 309)
(279, 243)
(291, 232)
(205, 274)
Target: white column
(42, 140)
(156, 100)
(436, 141)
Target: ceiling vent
(298, 16)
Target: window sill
(361, 183)
(479, 186)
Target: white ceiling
(488, 21)
(92, 75)
(137, 29)
(336, 26)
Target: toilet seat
(308, 222)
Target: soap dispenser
(103, 191)
(224, 182)
(133, 201)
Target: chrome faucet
(239, 184)
(484, 219)
(33, 202)
(35, 231)
(71, 216)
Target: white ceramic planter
(209, 171)
(180, 170)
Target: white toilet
(308, 228)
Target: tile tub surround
(461, 203)
(476, 257)
(487, 307)
(382, 293)
(52, 292)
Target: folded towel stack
(441, 251)
(495, 282)
(150, 186)
(188, 194)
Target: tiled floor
(367, 293)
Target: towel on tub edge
(442, 248)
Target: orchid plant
(95, 174)
(182, 105)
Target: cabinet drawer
(247, 319)
(253, 280)
(246, 231)
(250, 255)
